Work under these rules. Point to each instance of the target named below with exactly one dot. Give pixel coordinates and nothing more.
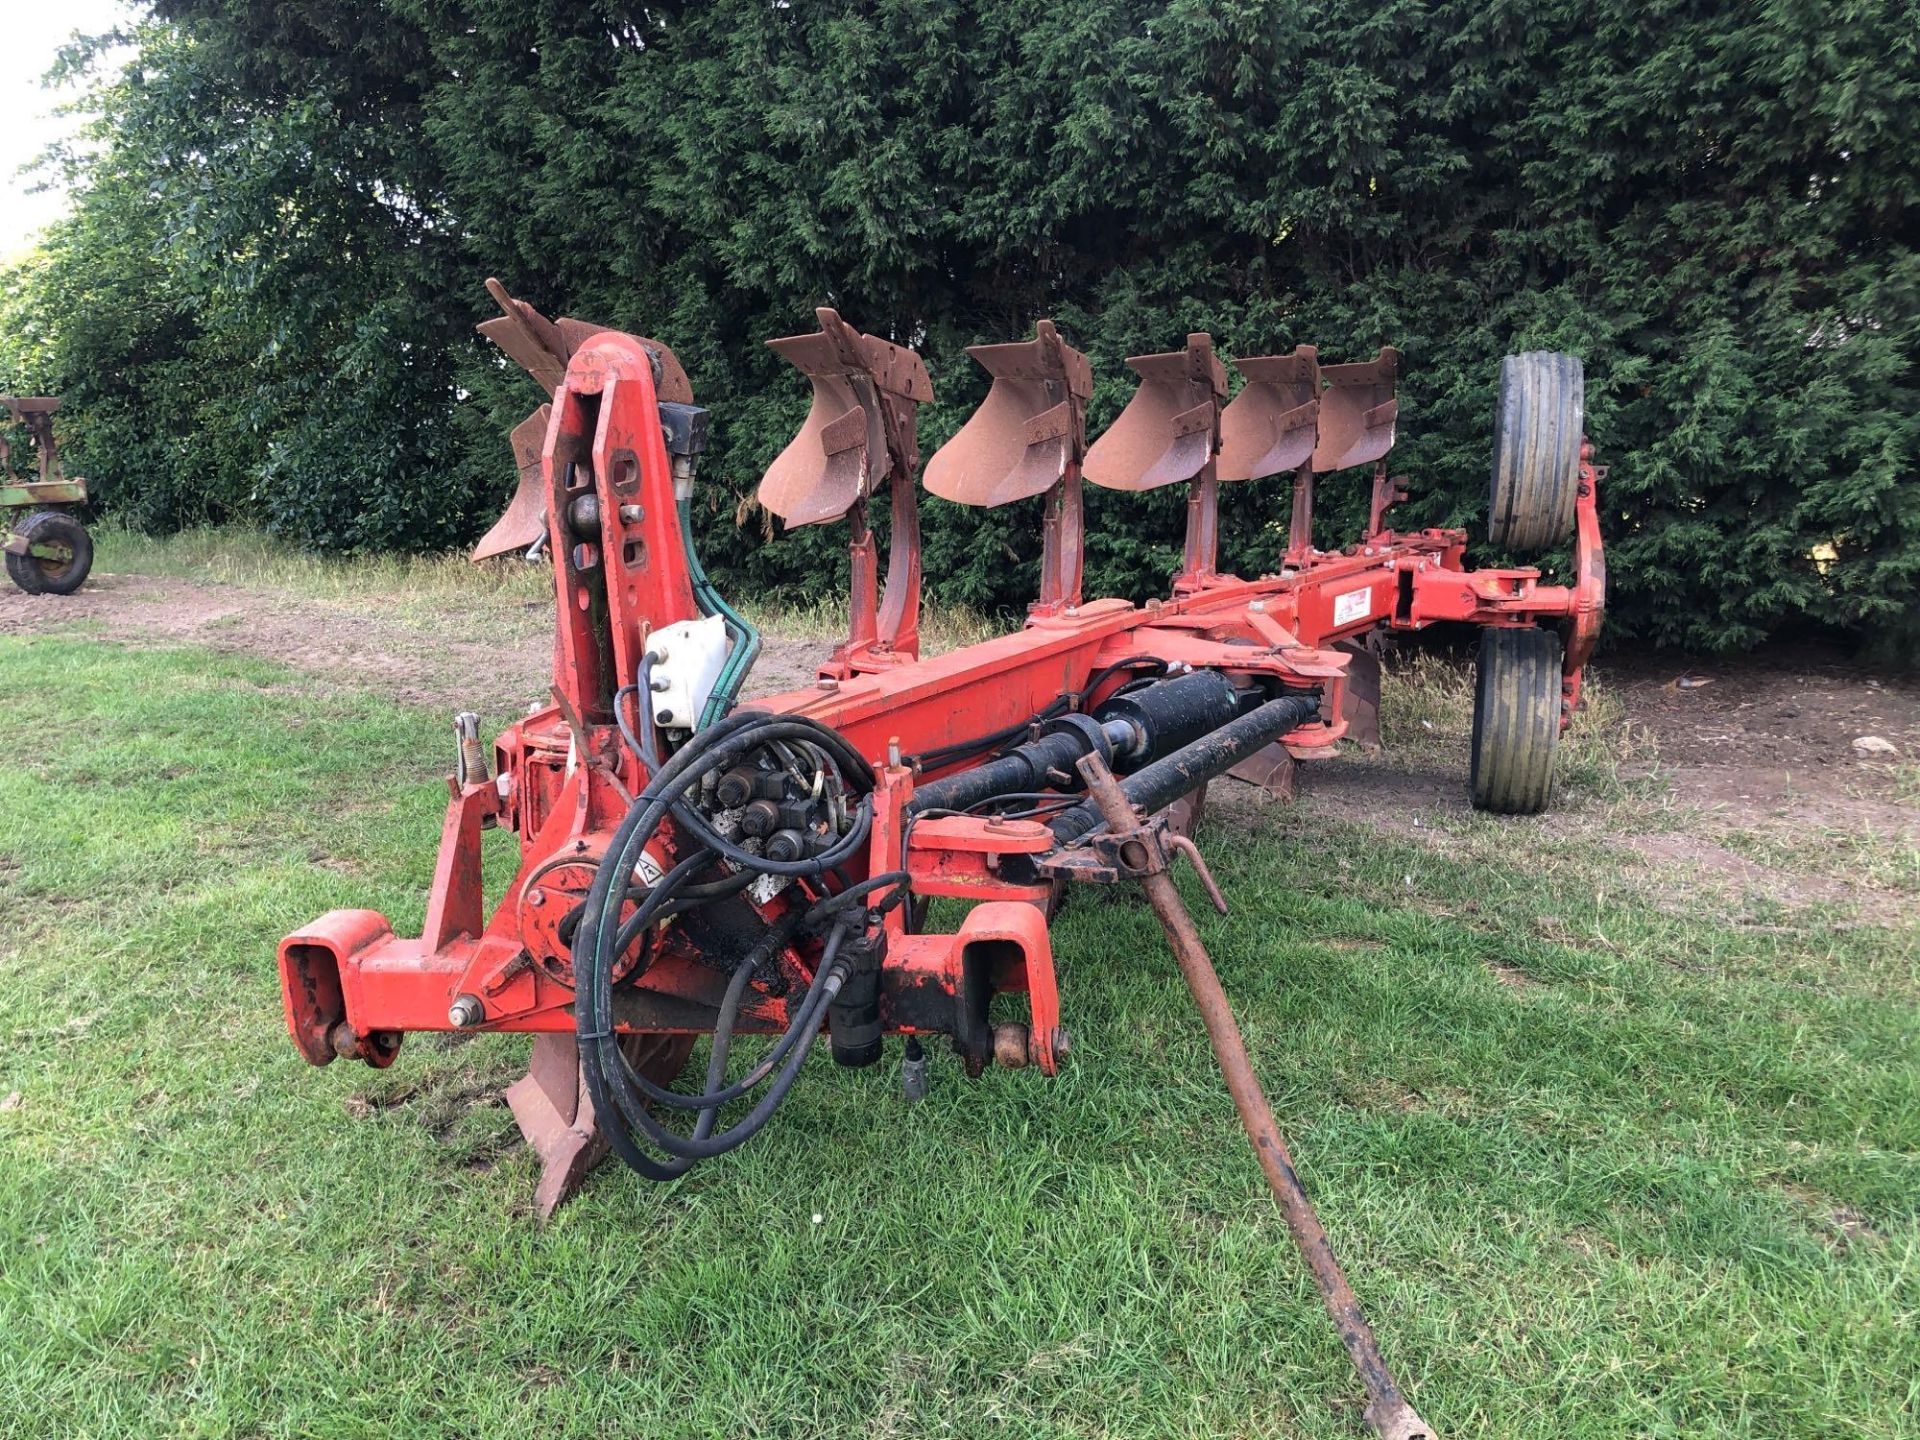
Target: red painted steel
(563, 778)
(597, 482)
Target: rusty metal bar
(1388, 1413)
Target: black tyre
(39, 575)
(1516, 721)
(1537, 430)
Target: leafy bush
(279, 253)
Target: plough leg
(1272, 769)
(555, 1113)
(1388, 1413)
(1184, 814)
(1361, 705)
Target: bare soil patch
(1749, 742)
(1741, 789)
(1773, 738)
(350, 645)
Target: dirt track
(337, 642)
(1758, 754)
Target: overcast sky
(31, 32)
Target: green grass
(1597, 1169)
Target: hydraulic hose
(746, 639)
(1038, 765)
(941, 756)
(716, 1073)
(1192, 765)
(805, 1028)
(1128, 730)
(621, 1094)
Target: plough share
(692, 865)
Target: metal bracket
(1111, 857)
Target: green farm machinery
(48, 550)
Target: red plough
(695, 866)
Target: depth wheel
(61, 573)
(1537, 430)
(1516, 721)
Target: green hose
(745, 648)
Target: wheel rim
(53, 572)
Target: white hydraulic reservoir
(690, 654)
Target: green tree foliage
(263, 304)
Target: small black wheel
(62, 572)
(1516, 721)
(1537, 430)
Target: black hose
(592, 1061)
(942, 756)
(657, 899)
(1024, 769)
(805, 1026)
(643, 745)
(1164, 781)
(897, 880)
(619, 1092)
(1100, 677)
(1127, 730)
(716, 1072)
(714, 1098)
(853, 771)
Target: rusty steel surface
(525, 519)
(1170, 430)
(530, 339)
(542, 348)
(1273, 770)
(1387, 1412)
(47, 548)
(555, 1114)
(1029, 437)
(1361, 706)
(1272, 425)
(1357, 412)
(860, 429)
(1030, 430)
(861, 432)
(35, 413)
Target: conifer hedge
(262, 307)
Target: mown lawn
(1597, 1169)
